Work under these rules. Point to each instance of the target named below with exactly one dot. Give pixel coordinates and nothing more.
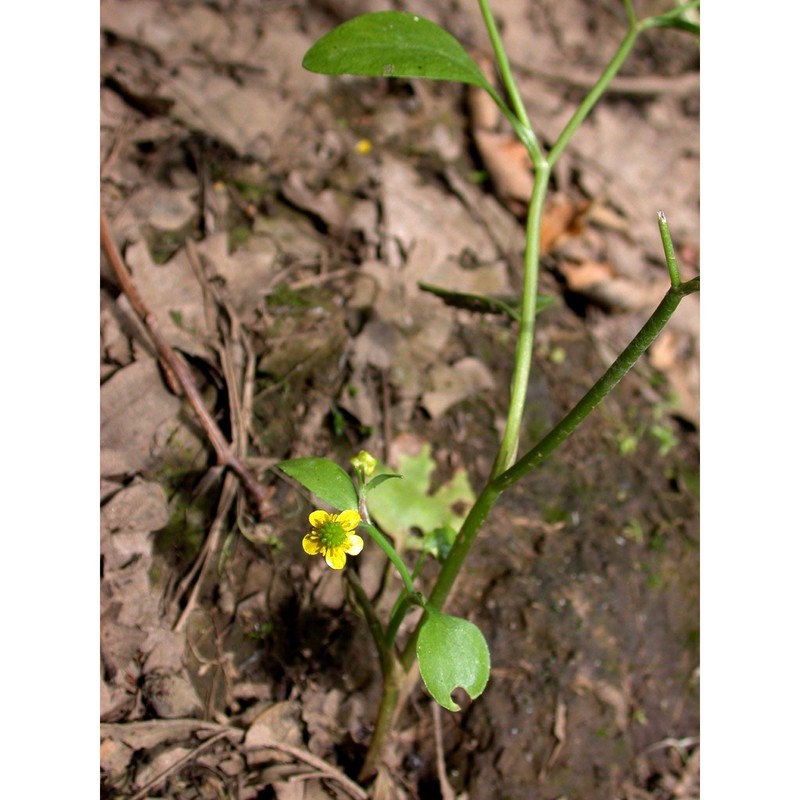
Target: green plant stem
(488, 497)
(391, 554)
(525, 134)
(669, 250)
(373, 623)
(519, 116)
(613, 375)
(452, 566)
(399, 612)
(676, 18)
(594, 94)
(505, 472)
(629, 10)
(503, 64)
(392, 679)
(524, 352)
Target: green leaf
(325, 479)
(379, 479)
(401, 506)
(439, 542)
(483, 303)
(393, 44)
(451, 653)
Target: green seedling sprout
(451, 652)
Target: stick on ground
(178, 368)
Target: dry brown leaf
(416, 210)
(115, 700)
(131, 587)
(329, 205)
(673, 355)
(664, 352)
(581, 277)
(165, 650)
(127, 521)
(626, 158)
(120, 643)
(560, 734)
(174, 296)
(171, 695)
(321, 712)
(139, 507)
(509, 166)
(502, 225)
(119, 549)
(278, 723)
(290, 790)
(599, 282)
(337, 209)
(114, 756)
(410, 328)
(387, 787)
(612, 696)
(148, 770)
(453, 383)
(561, 216)
(115, 346)
(133, 404)
(247, 272)
(250, 119)
(147, 734)
(604, 216)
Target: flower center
(332, 534)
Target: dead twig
(325, 769)
(177, 366)
(441, 770)
(239, 390)
(560, 734)
(643, 85)
(204, 560)
(162, 776)
(138, 730)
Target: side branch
(175, 364)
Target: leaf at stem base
(452, 653)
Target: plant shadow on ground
(585, 581)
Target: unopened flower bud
(364, 464)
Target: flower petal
(354, 545)
(349, 520)
(311, 543)
(319, 518)
(335, 558)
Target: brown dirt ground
(283, 262)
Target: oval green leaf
(451, 653)
(325, 479)
(393, 44)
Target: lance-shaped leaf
(325, 479)
(379, 479)
(451, 653)
(393, 44)
(482, 303)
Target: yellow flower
(332, 536)
(364, 463)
